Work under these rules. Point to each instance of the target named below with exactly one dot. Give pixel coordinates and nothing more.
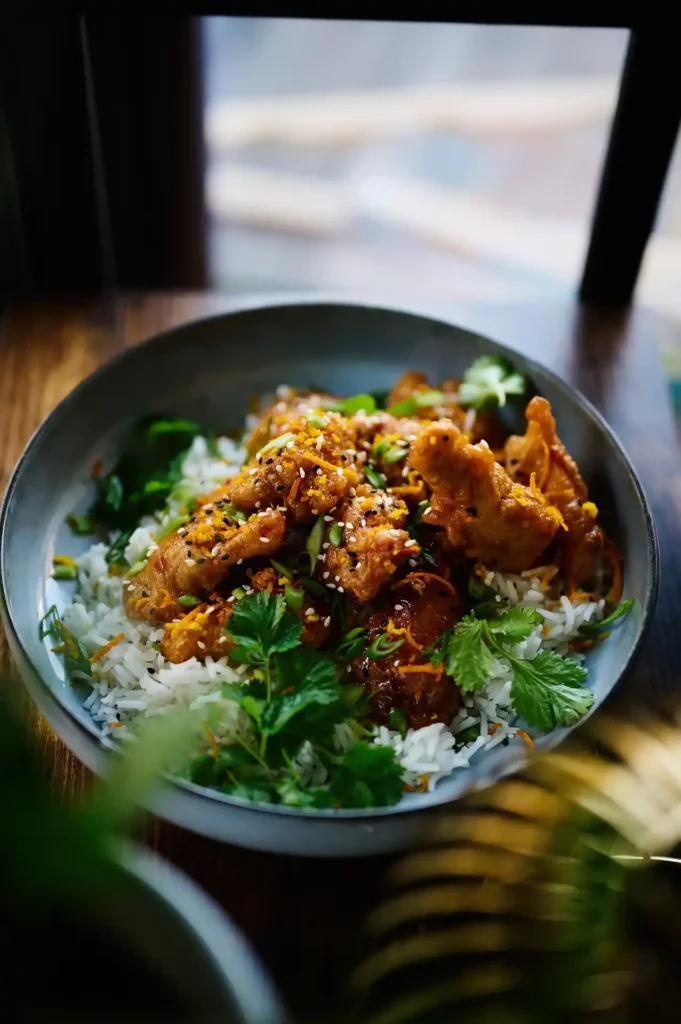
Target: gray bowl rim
(209, 797)
(242, 977)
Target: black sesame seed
(514, 462)
(144, 593)
(365, 671)
(445, 437)
(472, 511)
(279, 487)
(201, 561)
(224, 558)
(217, 538)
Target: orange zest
(494, 727)
(214, 748)
(524, 736)
(98, 655)
(415, 577)
(291, 496)
(404, 631)
(425, 667)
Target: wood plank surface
(304, 916)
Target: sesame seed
(325, 545)
(399, 607)
(279, 469)
(409, 543)
(265, 540)
(253, 471)
(319, 472)
(329, 519)
(189, 561)
(363, 522)
(325, 575)
(302, 473)
(321, 558)
(341, 590)
(331, 586)
(223, 639)
(327, 621)
(207, 508)
(413, 563)
(339, 471)
(336, 578)
(215, 551)
(240, 561)
(427, 510)
(352, 539)
(358, 565)
(348, 669)
(200, 643)
(229, 601)
(309, 611)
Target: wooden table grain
(304, 916)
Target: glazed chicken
(418, 611)
(374, 543)
(488, 517)
(197, 557)
(477, 425)
(541, 453)
(278, 418)
(306, 470)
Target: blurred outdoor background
(432, 162)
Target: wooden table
(304, 916)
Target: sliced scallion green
(383, 647)
(375, 478)
(314, 588)
(397, 720)
(189, 601)
(349, 406)
(277, 442)
(336, 535)
(351, 644)
(394, 454)
(137, 567)
(232, 512)
(282, 569)
(294, 597)
(80, 525)
(313, 544)
(65, 572)
(316, 421)
(238, 593)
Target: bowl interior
(209, 370)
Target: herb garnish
(488, 382)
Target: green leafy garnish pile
(293, 697)
(488, 382)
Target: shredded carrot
(423, 783)
(603, 636)
(214, 748)
(548, 574)
(571, 590)
(426, 667)
(106, 648)
(318, 461)
(524, 736)
(582, 645)
(533, 487)
(425, 576)
(115, 725)
(291, 496)
(494, 727)
(405, 631)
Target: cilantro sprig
(547, 691)
(488, 382)
(291, 700)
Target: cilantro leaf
(349, 406)
(421, 400)
(259, 790)
(594, 628)
(367, 776)
(312, 678)
(293, 794)
(469, 659)
(485, 598)
(514, 625)
(260, 626)
(548, 691)
(488, 381)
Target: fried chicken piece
(308, 472)
(418, 611)
(313, 615)
(197, 557)
(374, 544)
(379, 438)
(505, 525)
(199, 634)
(278, 417)
(541, 453)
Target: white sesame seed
(325, 545)
(328, 519)
(302, 473)
(336, 578)
(209, 610)
(325, 575)
(190, 561)
(348, 669)
(215, 551)
(223, 639)
(229, 601)
(409, 543)
(413, 563)
(265, 540)
(321, 558)
(399, 607)
(252, 472)
(339, 471)
(200, 643)
(303, 421)
(279, 469)
(331, 586)
(352, 539)
(327, 621)
(363, 522)
(357, 566)
(341, 524)
(427, 510)
(289, 444)
(207, 508)
(240, 561)
(182, 531)
(353, 492)
(341, 590)
(319, 472)
(309, 611)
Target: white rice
(133, 678)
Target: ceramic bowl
(208, 370)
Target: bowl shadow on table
(555, 894)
